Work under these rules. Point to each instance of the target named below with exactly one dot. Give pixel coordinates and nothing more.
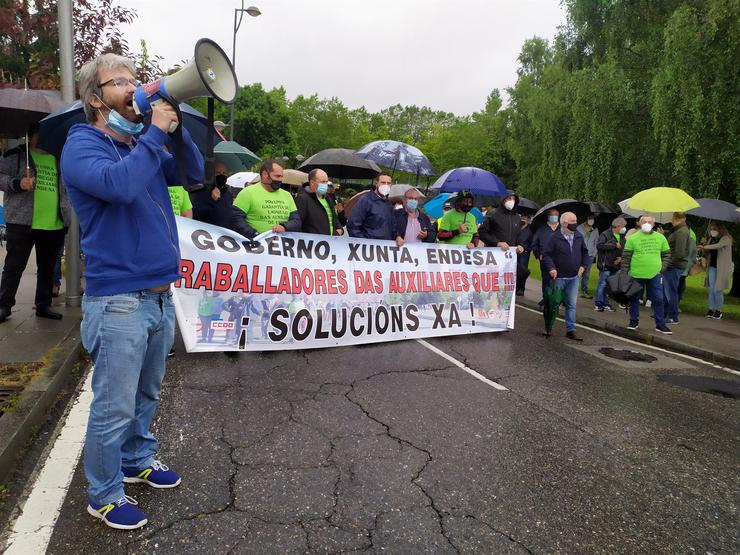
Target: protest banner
(299, 291)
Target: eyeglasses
(120, 82)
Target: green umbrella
(236, 157)
(554, 297)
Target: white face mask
(646, 228)
(509, 204)
(590, 222)
(622, 231)
(384, 190)
(714, 233)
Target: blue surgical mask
(412, 204)
(121, 125)
(552, 219)
(322, 189)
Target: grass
(694, 300)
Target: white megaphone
(209, 73)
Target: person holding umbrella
(720, 267)
(541, 238)
(37, 212)
(118, 187)
(457, 226)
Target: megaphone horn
(209, 73)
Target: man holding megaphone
(117, 179)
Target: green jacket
(680, 244)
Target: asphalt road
(392, 448)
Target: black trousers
(20, 240)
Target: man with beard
(118, 187)
(458, 226)
(265, 206)
(212, 205)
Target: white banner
(304, 291)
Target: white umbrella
(242, 179)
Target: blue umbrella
(397, 155)
(54, 127)
(714, 209)
(475, 180)
(434, 207)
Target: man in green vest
(37, 213)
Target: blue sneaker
(157, 475)
(121, 515)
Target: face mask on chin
(117, 123)
(276, 185)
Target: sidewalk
(716, 341)
(53, 345)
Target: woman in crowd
(718, 250)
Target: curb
(30, 412)
(648, 338)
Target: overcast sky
(447, 55)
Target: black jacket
(401, 218)
(501, 226)
(525, 238)
(541, 238)
(313, 214)
(558, 254)
(608, 249)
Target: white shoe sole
(664, 332)
(97, 515)
(150, 484)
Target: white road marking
(633, 342)
(33, 529)
(459, 364)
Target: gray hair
(619, 222)
(87, 81)
(564, 216)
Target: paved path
(697, 335)
(392, 448)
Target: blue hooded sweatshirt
(119, 192)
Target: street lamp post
(253, 11)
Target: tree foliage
(29, 39)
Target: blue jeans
(128, 337)
(654, 288)
(570, 286)
(586, 273)
(716, 296)
(602, 299)
(671, 279)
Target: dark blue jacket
(560, 256)
(371, 218)
(401, 219)
(129, 234)
(541, 238)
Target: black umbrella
(600, 208)
(580, 209)
(21, 108)
(341, 163)
(714, 209)
(54, 127)
(525, 205)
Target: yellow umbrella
(661, 202)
